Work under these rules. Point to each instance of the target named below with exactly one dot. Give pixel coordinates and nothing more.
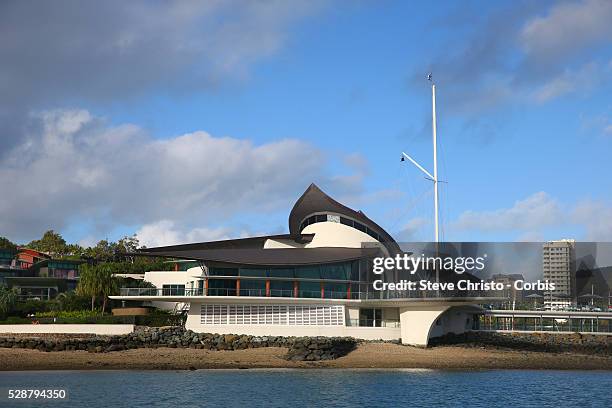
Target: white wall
(421, 323)
(281, 243)
(365, 333)
(334, 234)
(160, 278)
(100, 329)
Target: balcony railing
(290, 293)
(375, 323)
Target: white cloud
(596, 217)
(78, 168)
(567, 29)
(537, 216)
(523, 52)
(104, 51)
(166, 232)
(411, 230)
(581, 80)
(536, 211)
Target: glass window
(260, 273)
(335, 290)
(222, 287)
(340, 271)
(173, 290)
(308, 272)
(223, 272)
(252, 287)
(361, 227)
(281, 288)
(281, 272)
(370, 317)
(309, 290)
(346, 221)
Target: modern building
(314, 281)
(559, 267)
(510, 293)
(36, 275)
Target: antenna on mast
(433, 178)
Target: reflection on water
(320, 388)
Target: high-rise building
(559, 267)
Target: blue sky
(524, 118)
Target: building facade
(314, 281)
(35, 275)
(559, 267)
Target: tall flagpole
(428, 175)
(435, 158)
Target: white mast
(433, 178)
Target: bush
(72, 314)
(23, 309)
(16, 320)
(71, 301)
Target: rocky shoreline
(299, 348)
(539, 342)
(177, 348)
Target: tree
(97, 281)
(108, 283)
(103, 251)
(89, 283)
(51, 243)
(6, 244)
(8, 297)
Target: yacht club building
(314, 281)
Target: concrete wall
(334, 234)
(453, 320)
(421, 323)
(160, 278)
(416, 322)
(100, 329)
(365, 333)
(281, 243)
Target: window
(308, 272)
(173, 290)
(222, 287)
(223, 272)
(252, 287)
(259, 273)
(340, 271)
(335, 290)
(309, 290)
(370, 317)
(281, 273)
(281, 288)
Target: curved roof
(269, 257)
(314, 200)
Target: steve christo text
(461, 285)
(459, 265)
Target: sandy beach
(368, 355)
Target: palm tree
(8, 297)
(89, 284)
(97, 280)
(108, 283)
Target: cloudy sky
(188, 121)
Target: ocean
(314, 388)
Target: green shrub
(23, 309)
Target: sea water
(315, 388)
